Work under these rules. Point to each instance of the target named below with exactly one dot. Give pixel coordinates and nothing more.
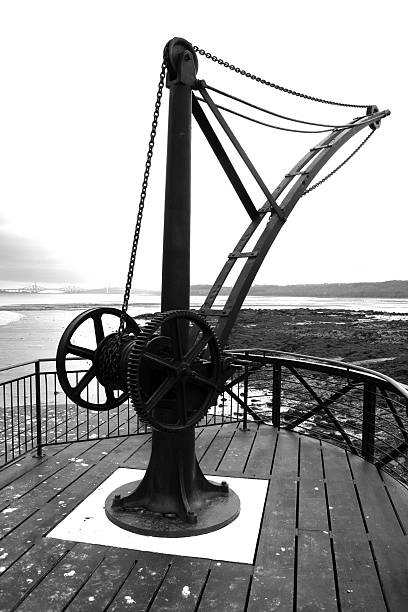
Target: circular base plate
(217, 512)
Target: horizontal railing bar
(325, 365)
(34, 361)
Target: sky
(78, 81)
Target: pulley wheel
(77, 387)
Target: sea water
(31, 324)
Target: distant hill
(386, 289)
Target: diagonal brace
(323, 407)
(240, 150)
(320, 406)
(243, 405)
(223, 158)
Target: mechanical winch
(173, 368)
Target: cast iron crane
(173, 369)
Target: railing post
(39, 450)
(276, 394)
(245, 421)
(368, 434)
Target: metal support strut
(174, 498)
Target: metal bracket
(182, 63)
(237, 255)
(370, 111)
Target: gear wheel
(174, 370)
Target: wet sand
(37, 333)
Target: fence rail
(35, 412)
(359, 409)
(364, 411)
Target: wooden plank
(141, 585)
(379, 514)
(226, 588)
(205, 439)
(140, 459)
(110, 447)
(50, 514)
(66, 578)
(37, 474)
(100, 590)
(312, 498)
(182, 585)
(25, 464)
(238, 451)
(259, 462)
(315, 575)
(22, 508)
(24, 576)
(273, 583)
(389, 543)
(344, 510)
(399, 498)
(392, 561)
(358, 583)
(217, 448)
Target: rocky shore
(376, 340)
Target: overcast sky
(78, 81)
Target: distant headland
(385, 289)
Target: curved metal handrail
(308, 360)
(360, 409)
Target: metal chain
(221, 62)
(148, 164)
(339, 166)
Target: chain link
(148, 164)
(258, 79)
(339, 166)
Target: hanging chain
(221, 62)
(148, 164)
(339, 166)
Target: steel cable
(269, 112)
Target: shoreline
(365, 337)
(376, 339)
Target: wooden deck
(333, 534)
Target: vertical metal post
(39, 450)
(368, 434)
(181, 76)
(276, 394)
(245, 421)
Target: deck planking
(333, 534)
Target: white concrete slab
(235, 542)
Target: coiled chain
(258, 79)
(145, 182)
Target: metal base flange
(214, 513)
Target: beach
(374, 338)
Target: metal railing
(359, 409)
(362, 410)
(35, 412)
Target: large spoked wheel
(91, 324)
(174, 370)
